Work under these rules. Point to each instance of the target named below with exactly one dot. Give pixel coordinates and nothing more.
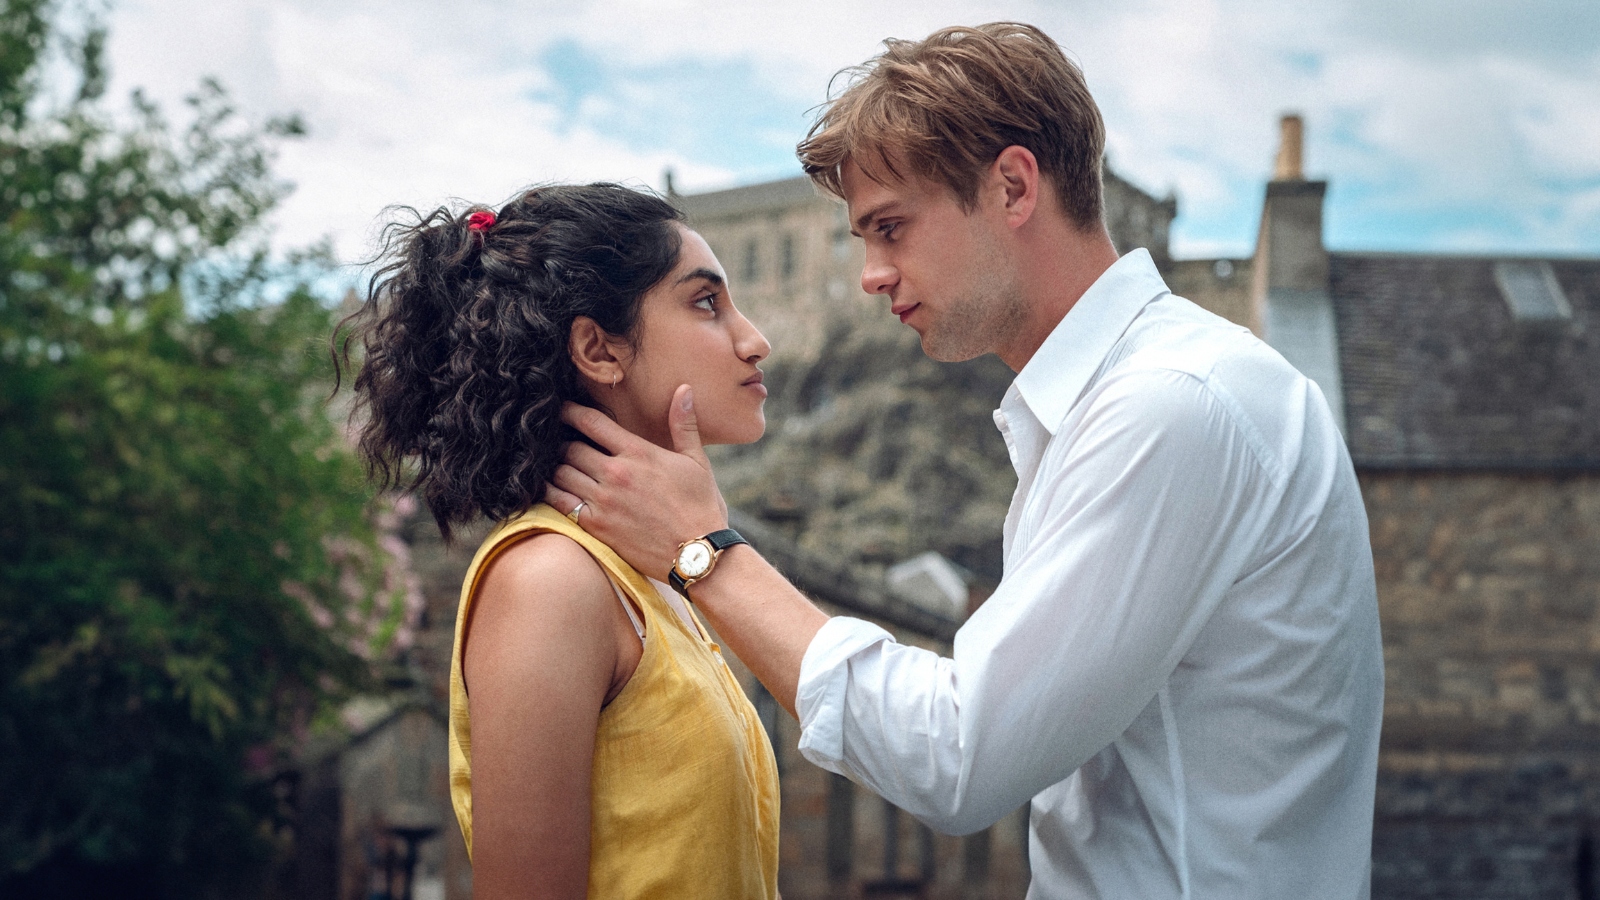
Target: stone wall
(1136, 219)
(1489, 588)
(793, 268)
(1219, 285)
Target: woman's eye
(707, 303)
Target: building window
(752, 260)
(786, 256)
(1531, 291)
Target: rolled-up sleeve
(1135, 528)
(824, 677)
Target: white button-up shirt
(1182, 665)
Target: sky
(1455, 126)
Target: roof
(1439, 373)
(776, 196)
(768, 196)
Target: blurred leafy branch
(190, 570)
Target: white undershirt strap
(627, 607)
(675, 600)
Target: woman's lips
(754, 381)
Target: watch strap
(722, 540)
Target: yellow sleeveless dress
(684, 790)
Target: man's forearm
(762, 618)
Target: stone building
(1469, 388)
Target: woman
(599, 745)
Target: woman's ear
(598, 355)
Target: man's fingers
(586, 459)
(599, 427)
(560, 500)
(573, 482)
(685, 426)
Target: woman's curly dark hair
(464, 363)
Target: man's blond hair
(944, 107)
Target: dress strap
(627, 607)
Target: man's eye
(887, 229)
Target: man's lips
(904, 312)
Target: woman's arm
(548, 646)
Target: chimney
(1292, 307)
(1291, 144)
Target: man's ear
(598, 356)
(1016, 172)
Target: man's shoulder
(1218, 365)
(1174, 334)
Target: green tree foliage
(187, 570)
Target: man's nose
(878, 276)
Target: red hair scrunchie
(480, 221)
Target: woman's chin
(735, 433)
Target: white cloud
(1436, 111)
(399, 111)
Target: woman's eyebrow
(710, 275)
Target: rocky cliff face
(875, 453)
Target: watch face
(694, 559)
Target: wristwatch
(698, 557)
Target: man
(1182, 667)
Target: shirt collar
(1060, 369)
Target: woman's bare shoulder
(546, 564)
(541, 590)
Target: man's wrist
(707, 588)
(697, 558)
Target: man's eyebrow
(865, 219)
(710, 275)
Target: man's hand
(642, 500)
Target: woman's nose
(751, 345)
